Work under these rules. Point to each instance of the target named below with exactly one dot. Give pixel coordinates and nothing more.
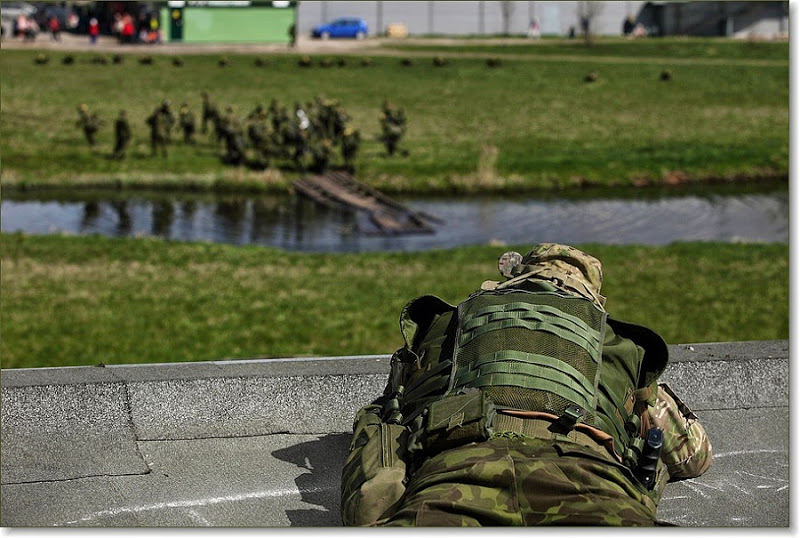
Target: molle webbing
(538, 351)
(527, 371)
(536, 317)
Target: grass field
(678, 49)
(78, 301)
(532, 123)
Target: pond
(296, 224)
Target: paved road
(371, 46)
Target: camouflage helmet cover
(565, 266)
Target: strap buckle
(567, 421)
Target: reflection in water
(294, 223)
(123, 217)
(91, 210)
(163, 213)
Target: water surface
(299, 225)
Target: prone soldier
(526, 404)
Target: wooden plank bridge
(338, 189)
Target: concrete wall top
(262, 442)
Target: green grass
(532, 123)
(699, 49)
(79, 301)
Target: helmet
(564, 266)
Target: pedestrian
(94, 30)
(526, 404)
(122, 135)
(55, 28)
(128, 29)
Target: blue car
(342, 27)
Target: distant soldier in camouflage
(257, 128)
(524, 405)
(158, 121)
(169, 119)
(351, 140)
(88, 122)
(393, 126)
(233, 133)
(122, 135)
(210, 112)
(261, 139)
(321, 153)
(188, 124)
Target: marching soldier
(89, 122)
(122, 135)
(393, 126)
(187, 124)
(210, 112)
(159, 137)
(351, 140)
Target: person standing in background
(94, 30)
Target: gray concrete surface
(260, 443)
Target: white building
(766, 19)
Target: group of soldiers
(308, 136)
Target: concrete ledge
(261, 442)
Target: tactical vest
(533, 352)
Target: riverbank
(71, 300)
(531, 124)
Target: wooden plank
(339, 189)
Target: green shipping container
(251, 24)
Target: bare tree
(588, 11)
(507, 8)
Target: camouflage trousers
(521, 481)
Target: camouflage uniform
(122, 135)
(210, 112)
(393, 126)
(187, 124)
(158, 131)
(168, 118)
(90, 123)
(351, 139)
(233, 136)
(451, 445)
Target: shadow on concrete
(323, 459)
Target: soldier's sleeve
(687, 449)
